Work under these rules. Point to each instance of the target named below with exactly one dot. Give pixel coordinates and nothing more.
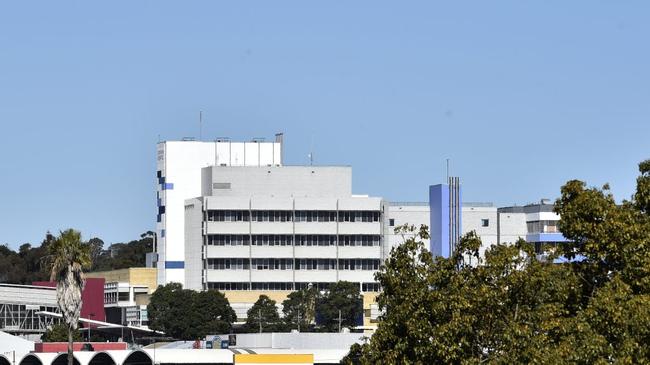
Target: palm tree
(68, 256)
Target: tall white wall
(416, 214)
(473, 221)
(180, 163)
(512, 227)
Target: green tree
(263, 316)
(514, 306)
(341, 300)
(59, 333)
(213, 313)
(68, 256)
(96, 249)
(124, 255)
(189, 315)
(170, 310)
(613, 242)
(299, 309)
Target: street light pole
(90, 325)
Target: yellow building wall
(134, 276)
(368, 299)
(251, 296)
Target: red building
(92, 298)
(63, 346)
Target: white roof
(10, 343)
(3, 357)
(45, 358)
(119, 356)
(321, 356)
(190, 356)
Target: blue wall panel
(439, 205)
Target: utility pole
(339, 321)
(200, 124)
(298, 320)
(259, 311)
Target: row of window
(287, 240)
(365, 287)
(289, 264)
(289, 216)
(542, 227)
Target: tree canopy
(299, 309)
(189, 315)
(342, 297)
(59, 333)
(513, 305)
(27, 265)
(264, 314)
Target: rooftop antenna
(447, 169)
(200, 124)
(311, 152)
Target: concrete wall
(196, 253)
(285, 181)
(194, 248)
(416, 214)
(144, 276)
(180, 164)
(303, 340)
(512, 226)
(473, 217)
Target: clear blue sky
(521, 95)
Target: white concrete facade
(179, 165)
(400, 213)
(281, 228)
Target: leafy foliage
(124, 255)
(28, 265)
(59, 333)
(213, 313)
(299, 309)
(189, 315)
(343, 297)
(265, 313)
(513, 306)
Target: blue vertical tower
(446, 216)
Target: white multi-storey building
(179, 165)
(281, 228)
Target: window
(370, 287)
(272, 240)
(315, 264)
(358, 264)
(359, 240)
(228, 264)
(228, 240)
(228, 286)
(228, 216)
(315, 216)
(391, 222)
(315, 240)
(485, 222)
(359, 216)
(272, 264)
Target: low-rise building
(127, 293)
